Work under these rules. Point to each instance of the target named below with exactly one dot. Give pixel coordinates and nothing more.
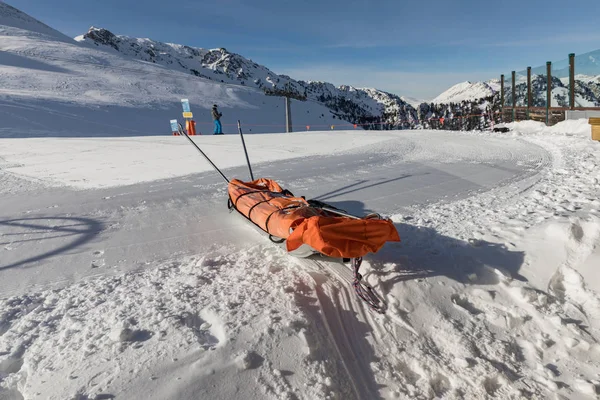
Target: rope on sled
(364, 290)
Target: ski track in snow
(132, 225)
(112, 330)
(462, 319)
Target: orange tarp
(280, 214)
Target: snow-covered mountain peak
(144, 48)
(14, 22)
(224, 66)
(412, 101)
(100, 36)
(465, 91)
(216, 64)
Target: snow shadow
(351, 206)
(356, 186)
(46, 233)
(15, 60)
(52, 118)
(330, 324)
(425, 253)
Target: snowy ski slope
(153, 290)
(123, 275)
(51, 85)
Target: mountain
(13, 22)
(413, 101)
(468, 91)
(109, 85)
(219, 65)
(587, 92)
(51, 85)
(215, 64)
(587, 85)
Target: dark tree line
(465, 115)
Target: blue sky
(412, 48)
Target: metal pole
(334, 211)
(548, 90)
(528, 90)
(245, 151)
(514, 95)
(572, 81)
(288, 115)
(502, 90)
(502, 98)
(183, 132)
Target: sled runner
(307, 227)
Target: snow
(551, 226)
(585, 95)
(413, 101)
(220, 65)
(21, 22)
(41, 75)
(52, 87)
(123, 275)
(577, 127)
(126, 161)
(466, 91)
(492, 292)
(582, 78)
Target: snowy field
(122, 274)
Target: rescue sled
(308, 227)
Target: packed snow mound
(576, 127)
(11, 18)
(465, 91)
(572, 248)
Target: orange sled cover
(282, 215)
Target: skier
(217, 118)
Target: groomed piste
(308, 227)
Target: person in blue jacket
(217, 118)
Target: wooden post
(288, 115)
(572, 81)
(502, 98)
(501, 90)
(528, 90)
(514, 95)
(595, 123)
(548, 90)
